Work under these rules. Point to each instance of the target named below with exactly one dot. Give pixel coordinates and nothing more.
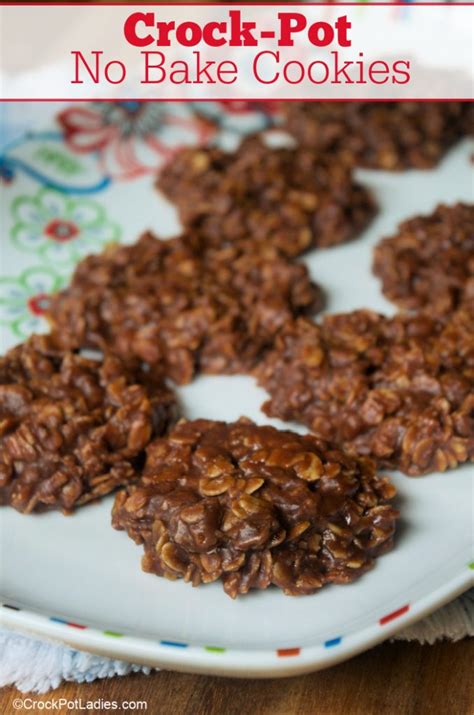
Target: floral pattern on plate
(23, 300)
(132, 138)
(60, 229)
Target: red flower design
(38, 304)
(61, 230)
(132, 138)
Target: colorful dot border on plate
(280, 652)
(288, 652)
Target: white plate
(77, 581)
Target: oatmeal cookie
(71, 428)
(429, 263)
(255, 506)
(288, 198)
(187, 309)
(400, 390)
(379, 135)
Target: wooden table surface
(392, 679)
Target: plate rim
(211, 660)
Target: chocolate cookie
(430, 260)
(291, 199)
(255, 506)
(187, 309)
(72, 429)
(400, 390)
(379, 135)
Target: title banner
(236, 51)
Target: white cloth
(37, 666)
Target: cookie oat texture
(380, 135)
(72, 429)
(288, 198)
(429, 262)
(255, 506)
(179, 305)
(399, 390)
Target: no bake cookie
(255, 506)
(288, 198)
(175, 304)
(429, 262)
(379, 135)
(72, 428)
(400, 390)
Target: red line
(395, 614)
(283, 652)
(235, 2)
(73, 100)
(76, 625)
